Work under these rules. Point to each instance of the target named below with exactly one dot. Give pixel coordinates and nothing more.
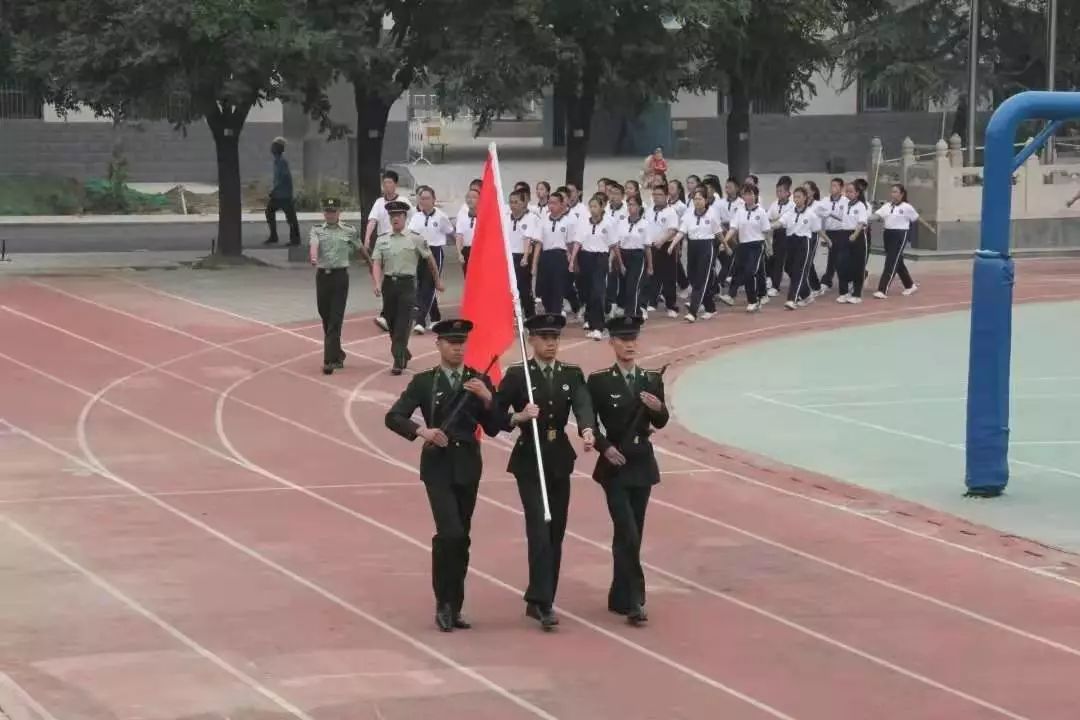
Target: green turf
(883, 406)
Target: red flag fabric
(488, 300)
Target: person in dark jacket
(281, 196)
(454, 400)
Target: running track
(194, 523)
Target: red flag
(488, 300)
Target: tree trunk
(738, 131)
(226, 127)
(372, 111)
(579, 113)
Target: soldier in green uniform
(629, 403)
(453, 399)
(330, 246)
(395, 258)
(558, 388)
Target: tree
(921, 51)
(382, 47)
(762, 53)
(201, 59)
(615, 52)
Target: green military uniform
(627, 424)
(451, 474)
(557, 389)
(332, 245)
(399, 255)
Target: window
(17, 103)
(886, 99)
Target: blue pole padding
(988, 375)
(1036, 144)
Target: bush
(40, 195)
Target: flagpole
(504, 214)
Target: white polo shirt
(465, 226)
(803, 223)
(855, 215)
(705, 226)
(381, 217)
(633, 234)
(661, 223)
(433, 228)
(558, 234)
(897, 217)
(834, 219)
(597, 237)
(524, 231)
(751, 224)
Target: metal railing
(19, 103)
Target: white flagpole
(504, 218)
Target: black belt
(329, 271)
(400, 277)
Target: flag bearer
(629, 403)
(453, 399)
(558, 388)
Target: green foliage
(50, 195)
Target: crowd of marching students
(682, 247)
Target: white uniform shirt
(633, 234)
(597, 237)
(558, 234)
(579, 212)
(617, 214)
(523, 232)
(897, 217)
(777, 209)
(679, 207)
(541, 210)
(751, 225)
(465, 226)
(700, 227)
(382, 218)
(803, 223)
(661, 223)
(726, 209)
(834, 218)
(433, 228)
(855, 215)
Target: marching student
(557, 252)
(524, 238)
(676, 197)
(663, 283)
(852, 272)
(692, 181)
(616, 212)
(819, 208)
(833, 225)
(700, 228)
(633, 190)
(727, 206)
(598, 239)
(862, 186)
(750, 225)
(629, 404)
(898, 215)
(635, 257)
(802, 225)
(543, 192)
(434, 226)
(465, 226)
(778, 262)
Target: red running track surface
(195, 523)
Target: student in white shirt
(816, 205)
(750, 225)
(558, 251)
(853, 270)
(616, 213)
(598, 238)
(676, 197)
(578, 211)
(699, 228)
(524, 229)
(543, 192)
(433, 225)
(778, 262)
(802, 225)
(833, 225)
(898, 216)
(465, 227)
(663, 224)
(635, 257)
(726, 206)
(379, 220)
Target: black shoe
(460, 623)
(444, 618)
(395, 370)
(618, 611)
(544, 615)
(295, 242)
(637, 616)
(270, 241)
(339, 364)
(328, 369)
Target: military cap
(627, 327)
(546, 324)
(395, 207)
(455, 329)
(331, 204)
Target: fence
(18, 103)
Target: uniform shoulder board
(515, 366)
(601, 371)
(347, 226)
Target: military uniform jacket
(556, 399)
(460, 461)
(627, 424)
